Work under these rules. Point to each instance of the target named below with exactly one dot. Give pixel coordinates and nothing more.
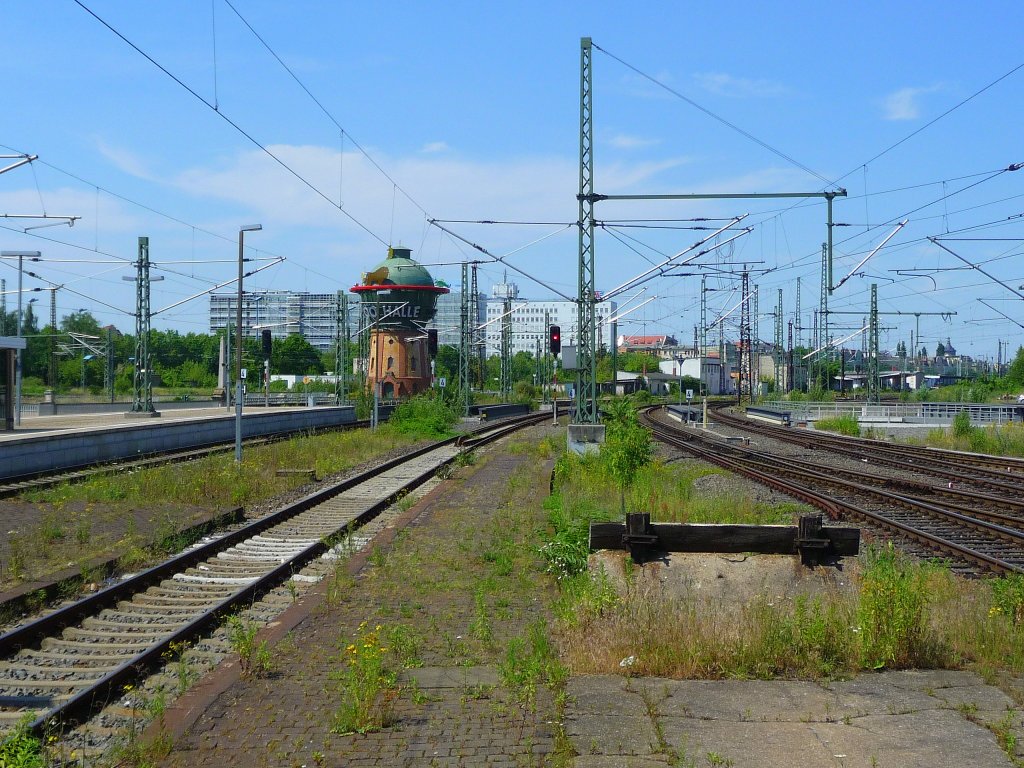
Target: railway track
(1005, 474)
(14, 486)
(990, 540)
(60, 668)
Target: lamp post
(238, 346)
(34, 255)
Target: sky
(344, 127)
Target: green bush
(20, 749)
(425, 416)
(962, 426)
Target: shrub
(20, 749)
(962, 426)
(424, 416)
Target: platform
(45, 443)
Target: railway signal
(555, 339)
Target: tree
(447, 362)
(294, 355)
(627, 446)
(940, 350)
(1015, 373)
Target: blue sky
(472, 110)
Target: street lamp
(34, 255)
(238, 346)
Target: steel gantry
(586, 353)
(464, 339)
(342, 353)
(142, 384)
(586, 387)
(506, 349)
(778, 351)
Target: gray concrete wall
(41, 453)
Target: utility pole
(873, 393)
(799, 328)
(343, 360)
(586, 373)
(703, 315)
(108, 369)
(872, 325)
(506, 349)
(142, 383)
(778, 351)
(547, 370)
(53, 349)
(755, 350)
(789, 366)
(464, 339)
(826, 289)
(478, 334)
(744, 351)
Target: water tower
(399, 298)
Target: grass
(998, 440)
(895, 613)
(103, 517)
(846, 424)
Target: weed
(846, 424)
(366, 684)
(254, 656)
(16, 565)
(717, 761)
(183, 670)
(465, 459)
(377, 557)
(893, 612)
(480, 626)
(1004, 733)
(1008, 597)
(529, 662)
(20, 749)
(406, 644)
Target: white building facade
(311, 315)
(528, 321)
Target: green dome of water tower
(400, 291)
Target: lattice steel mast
(586, 373)
(464, 339)
(142, 385)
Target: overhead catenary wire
(326, 111)
(232, 123)
(717, 117)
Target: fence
(897, 413)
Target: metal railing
(907, 413)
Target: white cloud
(623, 141)
(904, 104)
(724, 84)
(124, 160)
(434, 147)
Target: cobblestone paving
(462, 582)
